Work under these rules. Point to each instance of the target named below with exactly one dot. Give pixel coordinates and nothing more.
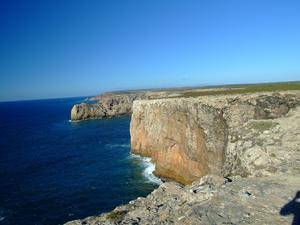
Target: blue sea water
(53, 170)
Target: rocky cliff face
(211, 200)
(106, 107)
(114, 104)
(187, 138)
(260, 176)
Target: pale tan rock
(270, 161)
(187, 138)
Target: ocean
(53, 170)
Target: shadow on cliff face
(293, 207)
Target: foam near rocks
(148, 169)
(262, 156)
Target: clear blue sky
(57, 48)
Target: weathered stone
(115, 104)
(87, 111)
(270, 107)
(185, 139)
(242, 201)
(105, 108)
(265, 151)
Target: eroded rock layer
(265, 151)
(107, 106)
(187, 137)
(210, 201)
(115, 104)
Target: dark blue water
(53, 171)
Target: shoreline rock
(187, 138)
(256, 182)
(211, 200)
(107, 106)
(112, 104)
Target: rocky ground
(212, 200)
(188, 138)
(114, 104)
(261, 183)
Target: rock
(185, 139)
(87, 111)
(106, 108)
(270, 107)
(242, 201)
(115, 104)
(253, 178)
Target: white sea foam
(75, 121)
(2, 217)
(149, 168)
(118, 145)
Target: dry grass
(250, 88)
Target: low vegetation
(244, 88)
(116, 215)
(261, 126)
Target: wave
(2, 217)
(117, 145)
(149, 168)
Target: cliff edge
(188, 138)
(239, 155)
(114, 104)
(185, 138)
(107, 105)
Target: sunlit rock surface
(188, 137)
(185, 138)
(256, 181)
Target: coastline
(149, 168)
(269, 129)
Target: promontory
(227, 156)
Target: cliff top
(262, 161)
(220, 100)
(113, 104)
(205, 90)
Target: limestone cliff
(251, 143)
(106, 106)
(187, 137)
(114, 104)
(269, 196)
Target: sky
(63, 48)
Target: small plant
(273, 155)
(116, 215)
(261, 126)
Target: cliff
(106, 107)
(113, 104)
(187, 138)
(239, 155)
